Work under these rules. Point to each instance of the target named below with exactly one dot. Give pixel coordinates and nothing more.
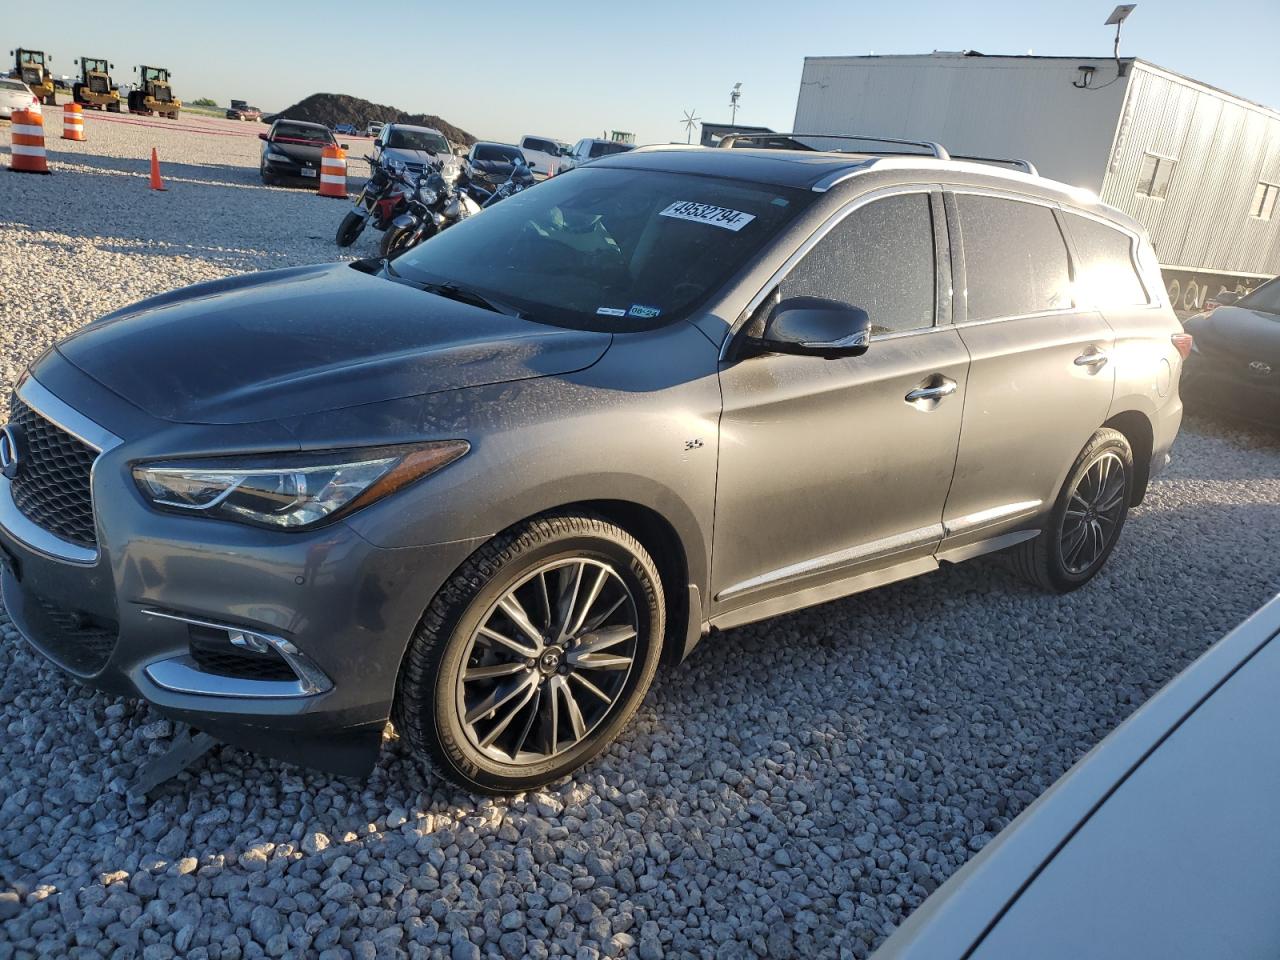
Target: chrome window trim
(812, 241)
(26, 531)
(834, 561)
(181, 674)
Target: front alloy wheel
(534, 656)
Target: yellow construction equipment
(32, 68)
(153, 94)
(94, 89)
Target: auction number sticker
(706, 213)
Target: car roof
(822, 170)
(494, 143)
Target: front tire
(1086, 520)
(349, 229)
(396, 240)
(534, 656)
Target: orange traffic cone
(73, 122)
(156, 182)
(333, 173)
(26, 149)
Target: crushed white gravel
(794, 791)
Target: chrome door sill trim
(1007, 511)
(31, 534)
(189, 678)
(833, 561)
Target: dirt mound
(334, 108)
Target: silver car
(485, 488)
(415, 147)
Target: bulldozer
(32, 68)
(153, 94)
(94, 89)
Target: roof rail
(1026, 166)
(936, 149)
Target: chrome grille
(52, 484)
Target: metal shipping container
(1198, 166)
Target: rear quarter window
(1015, 258)
(1106, 275)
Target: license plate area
(308, 172)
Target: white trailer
(1200, 168)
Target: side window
(1105, 273)
(1154, 176)
(879, 258)
(1015, 258)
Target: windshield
(154, 73)
(610, 249)
(296, 131)
(95, 66)
(32, 56)
(494, 153)
(604, 148)
(1266, 298)
(403, 139)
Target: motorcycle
(520, 178)
(382, 198)
(438, 201)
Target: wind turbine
(690, 121)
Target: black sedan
(1235, 359)
(291, 151)
(491, 163)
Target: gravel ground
(796, 790)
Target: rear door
(1042, 376)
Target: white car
(16, 95)
(373, 129)
(591, 148)
(545, 154)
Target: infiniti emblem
(10, 451)
(1257, 368)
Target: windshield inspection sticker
(721, 217)
(645, 313)
(610, 312)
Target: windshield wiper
(451, 291)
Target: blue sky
(569, 69)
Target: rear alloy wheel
(534, 656)
(1086, 520)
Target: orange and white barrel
(27, 143)
(73, 122)
(333, 173)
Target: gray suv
(486, 488)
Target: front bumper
(120, 618)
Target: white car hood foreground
(1163, 841)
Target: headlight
(427, 195)
(291, 491)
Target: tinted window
(1266, 298)
(1105, 273)
(12, 84)
(879, 258)
(542, 146)
(604, 148)
(402, 138)
(609, 249)
(297, 131)
(1015, 258)
(497, 154)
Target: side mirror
(262, 136)
(815, 326)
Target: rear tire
(595, 577)
(349, 229)
(1086, 520)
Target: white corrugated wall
(1006, 106)
(1223, 147)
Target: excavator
(94, 89)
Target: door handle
(1095, 360)
(945, 388)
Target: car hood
(1252, 334)
(300, 152)
(288, 343)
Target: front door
(832, 467)
(1042, 377)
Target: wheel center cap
(550, 660)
